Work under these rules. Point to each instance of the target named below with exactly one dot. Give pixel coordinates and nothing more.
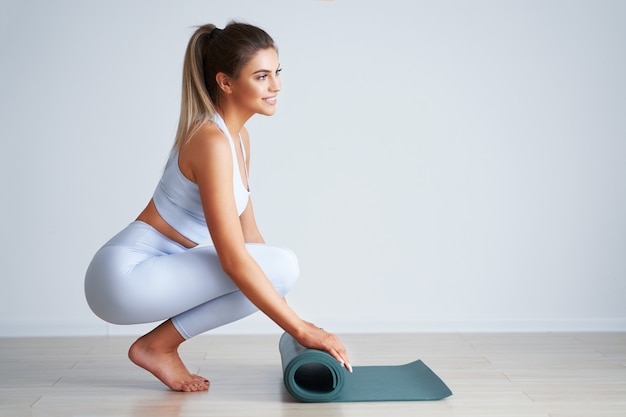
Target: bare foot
(167, 366)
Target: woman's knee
(279, 264)
(290, 271)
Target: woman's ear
(224, 82)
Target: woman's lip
(271, 100)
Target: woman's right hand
(314, 337)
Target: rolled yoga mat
(312, 375)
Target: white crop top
(177, 198)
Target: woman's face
(257, 86)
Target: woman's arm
(208, 157)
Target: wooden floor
(547, 374)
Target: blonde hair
(210, 51)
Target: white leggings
(141, 276)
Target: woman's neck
(234, 118)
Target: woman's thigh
(130, 283)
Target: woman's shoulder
(206, 146)
(206, 137)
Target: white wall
(436, 165)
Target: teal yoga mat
(314, 376)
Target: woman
(154, 269)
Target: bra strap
(245, 163)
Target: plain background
(436, 165)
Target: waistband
(141, 236)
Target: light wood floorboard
(516, 375)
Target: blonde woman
(154, 270)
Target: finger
(339, 352)
(342, 359)
(346, 364)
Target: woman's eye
(263, 77)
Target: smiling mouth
(270, 100)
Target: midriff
(151, 216)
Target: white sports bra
(177, 198)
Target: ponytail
(196, 106)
